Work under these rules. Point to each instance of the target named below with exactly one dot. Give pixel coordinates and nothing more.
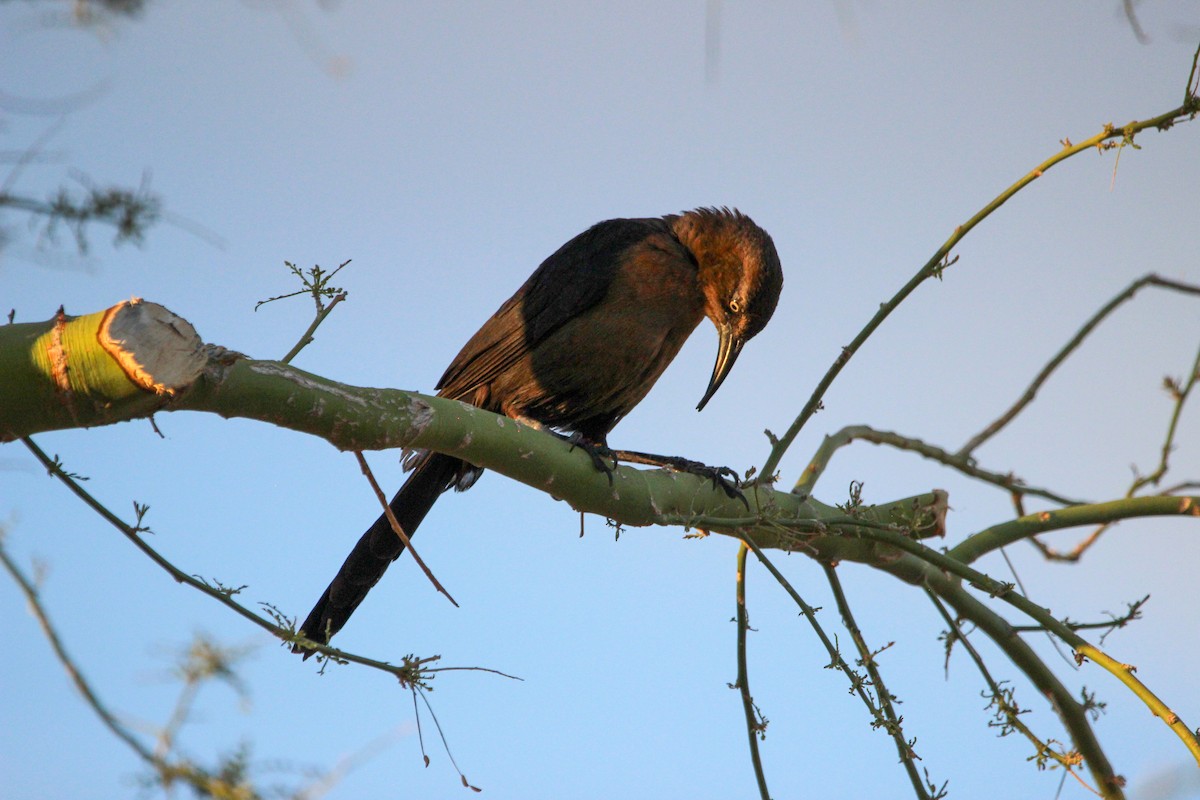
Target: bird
(575, 349)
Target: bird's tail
(380, 546)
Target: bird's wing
(572, 280)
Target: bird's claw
(722, 478)
(596, 452)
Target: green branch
(756, 724)
(1072, 714)
(997, 536)
(945, 565)
(888, 719)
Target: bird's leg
(723, 478)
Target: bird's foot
(722, 478)
(597, 452)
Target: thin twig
(1027, 397)
(1193, 81)
(941, 257)
(908, 756)
(1108, 626)
(30, 154)
(206, 783)
(285, 633)
(445, 745)
(1006, 592)
(1008, 709)
(1012, 568)
(958, 462)
(395, 523)
(179, 715)
(1069, 710)
(755, 725)
(307, 338)
(1130, 15)
(324, 783)
(93, 700)
(835, 657)
(315, 284)
(1180, 394)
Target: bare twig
(756, 724)
(285, 630)
(206, 782)
(315, 284)
(30, 154)
(857, 684)
(1131, 16)
(60, 651)
(419, 692)
(308, 337)
(1027, 397)
(1007, 709)
(395, 523)
(322, 784)
(958, 462)
(893, 721)
(1070, 712)
(941, 259)
(1179, 393)
(945, 564)
(1115, 622)
(1193, 82)
(130, 213)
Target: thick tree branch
(138, 358)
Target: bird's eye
(735, 306)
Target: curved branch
(958, 462)
(1006, 708)
(1072, 714)
(945, 566)
(1106, 139)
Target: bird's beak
(728, 349)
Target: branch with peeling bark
(142, 359)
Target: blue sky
(447, 148)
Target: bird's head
(740, 277)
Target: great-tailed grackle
(577, 347)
